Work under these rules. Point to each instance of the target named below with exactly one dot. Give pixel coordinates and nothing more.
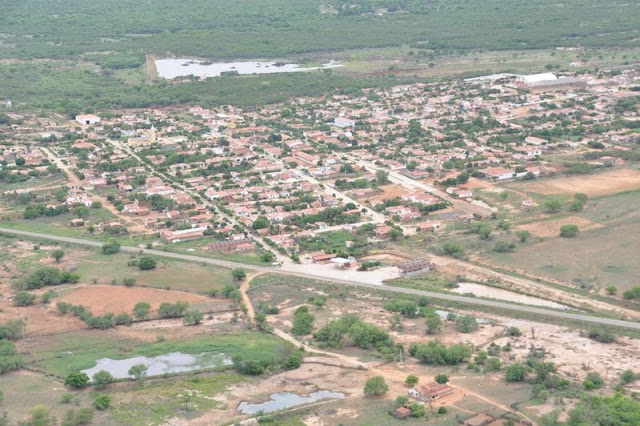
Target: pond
(173, 68)
(506, 295)
(284, 400)
(171, 363)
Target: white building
(344, 122)
(87, 119)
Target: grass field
(62, 354)
(600, 256)
(159, 401)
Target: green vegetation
(77, 380)
(569, 231)
(46, 276)
(302, 321)
(9, 358)
(146, 263)
(363, 335)
(376, 386)
(435, 353)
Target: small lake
(171, 363)
(173, 68)
(282, 400)
(506, 295)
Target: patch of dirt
(551, 228)
(101, 299)
(388, 192)
(609, 182)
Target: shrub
(466, 324)
(192, 317)
(514, 331)
(102, 378)
(9, 359)
(172, 310)
(129, 282)
(12, 329)
(302, 321)
(22, 298)
(123, 319)
(601, 336)
(569, 231)
(441, 378)
(47, 296)
(141, 310)
(435, 353)
(66, 398)
(102, 401)
(102, 322)
(146, 263)
(111, 247)
(83, 416)
(516, 372)
(376, 386)
(593, 381)
(503, 246)
(76, 380)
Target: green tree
(593, 381)
(441, 378)
(267, 257)
(411, 380)
(261, 222)
(193, 317)
(139, 373)
(146, 263)
(238, 274)
(628, 376)
(552, 205)
(57, 254)
(9, 358)
(122, 319)
(12, 329)
(569, 231)
(466, 323)
(141, 310)
(434, 323)
(40, 416)
(376, 386)
(516, 372)
(611, 290)
(302, 321)
(102, 378)
(77, 380)
(523, 235)
(172, 310)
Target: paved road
(441, 296)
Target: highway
(429, 294)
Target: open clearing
(551, 228)
(389, 192)
(599, 184)
(101, 299)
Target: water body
(284, 400)
(173, 68)
(506, 295)
(171, 363)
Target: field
(594, 185)
(101, 299)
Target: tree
(122, 319)
(593, 381)
(102, 401)
(523, 235)
(9, 359)
(192, 317)
(20, 161)
(267, 257)
(172, 310)
(139, 372)
(302, 321)
(83, 416)
(40, 416)
(22, 298)
(382, 177)
(146, 263)
(441, 378)
(434, 323)
(76, 380)
(141, 310)
(466, 323)
(111, 247)
(552, 205)
(516, 372)
(376, 386)
(102, 378)
(411, 380)
(12, 329)
(261, 222)
(57, 254)
(611, 290)
(82, 212)
(569, 231)
(238, 274)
